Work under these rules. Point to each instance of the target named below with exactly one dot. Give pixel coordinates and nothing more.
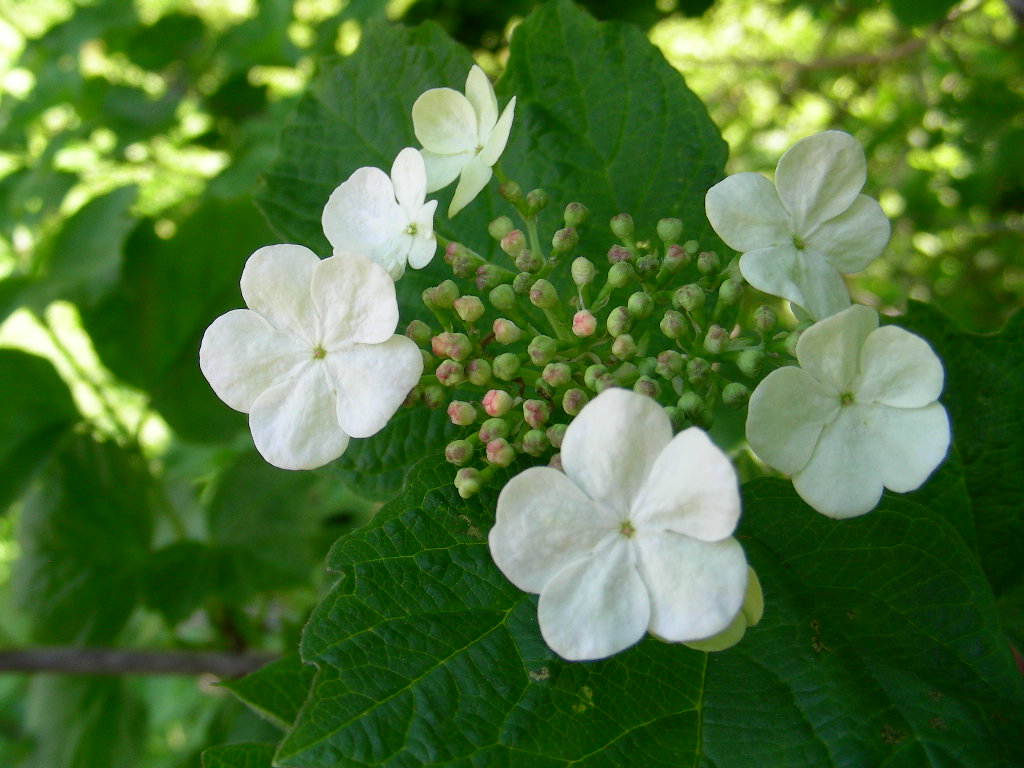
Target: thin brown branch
(115, 661)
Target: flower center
(319, 352)
(627, 529)
(846, 398)
(411, 229)
(798, 243)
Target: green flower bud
(489, 276)
(750, 362)
(500, 453)
(542, 350)
(492, 429)
(528, 261)
(415, 396)
(708, 263)
(500, 227)
(730, 292)
(669, 230)
(536, 413)
(691, 247)
(674, 325)
(735, 395)
(536, 201)
(557, 374)
(502, 298)
(670, 364)
(618, 254)
(555, 462)
(647, 366)
(647, 266)
(601, 383)
(506, 366)
(575, 214)
(647, 386)
(505, 331)
(582, 271)
(468, 482)
(496, 402)
(697, 370)
(478, 372)
(441, 296)
(622, 227)
(689, 298)
(556, 433)
(764, 320)
(564, 240)
(625, 375)
(434, 396)
(522, 283)
(574, 400)
(715, 340)
(462, 260)
(544, 295)
(584, 324)
(428, 359)
(450, 373)
(592, 373)
(624, 347)
(675, 259)
(513, 242)
(419, 332)
(619, 321)
(535, 442)
(543, 390)
(640, 305)
(676, 416)
(455, 346)
(620, 274)
(468, 308)
(511, 192)
(789, 344)
(459, 452)
(691, 404)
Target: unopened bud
(575, 214)
(708, 263)
(555, 434)
(536, 413)
(415, 396)
(502, 298)
(535, 442)
(500, 227)
(620, 274)
(555, 462)
(675, 259)
(536, 201)
(489, 276)
(674, 325)
(543, 389)
(468, 308)
(544, 295)
(500, 453)
(478, 372)
(764, 319)
(735, 395)
(441, 296)
(715, 340)
(689, 298)
(419, 332)
(584, 324)
(459, 452)
(434, 396)
(670, 364)
(513, 242)
(625, 374)
(511, 192)
(574, 400)
(691, 404)
(789, 344)
(676, 416)
(528, 261)
(496, 402)
(624, 347)
(622, 227)
(505, 331)
(750, 362)
(450, 373)
(557, 374)
(640, 305)
(582, 271)
(455, 346)
(592, 374)
(691, 247)
(462, 260)
(669, 230)
(506, 366)
(618, 254)
(428, 359)
(730, 292)
(564, 240)
(542, 350)
(492, 429)
(697, 370)
(647, 266)
(522, 283)
(619, 321)
(468, 482)
(647, 386)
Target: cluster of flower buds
(515, 357)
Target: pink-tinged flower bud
(618, 254)
(555, 462)
(415, 396)
(619, 321)
(647, 386)
(557, 374)
(574, 400)
(522, 283)
(674, 325)
(622, 227)
(505, 331)
(536, 413)
(468, 482)
(691, 404)
(715, 340)
(564, 240)
(689, 298)
(640, 305)
(735, 395)
(419, 332)
(624, 347)
(670, 364)
(528, 261)
(730, 292)
(478, 372)
(455, 346)
(750, 362)
(536, 201)
(489, 276)
(450, 373)
(555, 434)
(544, 295)
(603, 382)
(500, 227)
(506, 366)
(544, 390)
(513, 243)
(492, 429)
(445, 294)
(497, 402)
(670, 230)
(582, 271)
(675, 259)
(575, 214)
(502, 298)
(542, 350)
(708, 263)
(461, 413)
(764, 319)
(468, 308)
(462, 260)
(697, 370)
(459, 452)
(593, 372)
(584, 324)
(434, 396)
(621, 274)
(535, 442)
(511, 192)
(500, 453)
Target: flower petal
(475, 176)
(276, 284)
(422, 250)
(786, 414)
(596, 606)
(898, 368)
(854, 238)
(692, 489)
(480, 94)
(361, 215)
(442, 170)
(356, 301)
(444, 121)
(830, 350)
(745, 210)
(912, 443)
(819, 177)
(696, 587)
(293, 423)
(372, 381)
(498, 137)
(801, 276)
(409, 178)
(611, 446)
(544, 523)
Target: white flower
(858, 414)
(384, 218)
(635, 536)
(313, 360)
(798, 235)
(462, 136)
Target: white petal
(242, 355)
(830, 350)
(421, 250)
(544, 523)
(785, 416)
(854, 238)
(844, 476)
(276, 284)
(801, 276)
(898, 368)
(692, 489)
(444, 122)
(372, 381)
(356, 301)
(498, 137)
(819, 177)
(442, 170)
(475, 176)
(409, 177)
(745, 210)
(913, 442)
(595, 607)
(696, 587)
(480, 94)
(293, 423)
(361, 215)
(612, 444)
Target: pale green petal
(819, 177)
(444, 122)
(474, 178)
(276, 284)
(480, 93)
(356, 301)
(745, 210)
(498, 137)
(800, 276)
(854, 238)
(912, 443)
(830, 350)
(898, 368)
(442, 170)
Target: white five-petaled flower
(799, 234)
(858, 414)
(462, 136)
(385, 219)
(635, 536)
(314, 359)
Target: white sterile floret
(858, 414)
(799, 234)
(462, 136)
(314, 359)
(635, 536)
(384, 218)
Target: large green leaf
(277, 690)
(245, 755)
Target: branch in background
(901, 51)
(111, 661)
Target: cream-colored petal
(361, 215)
(745, 210)
(785, 416)
(293, 423)
(355, 299)
(819, 177)
(474, 178)
(912, 443)
(898, 368)
(442, 170)
(444, 122)
(422, 249)
(276, 283)
(800, 276)
(830, 350)
(692, 489)
(480, 94)
(496, 140)
(372, 381)
(854, 238)
(409, 178)
(611, 446)
(543, 523)
(596, 606)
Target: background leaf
(239, 756)
(277, 690)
